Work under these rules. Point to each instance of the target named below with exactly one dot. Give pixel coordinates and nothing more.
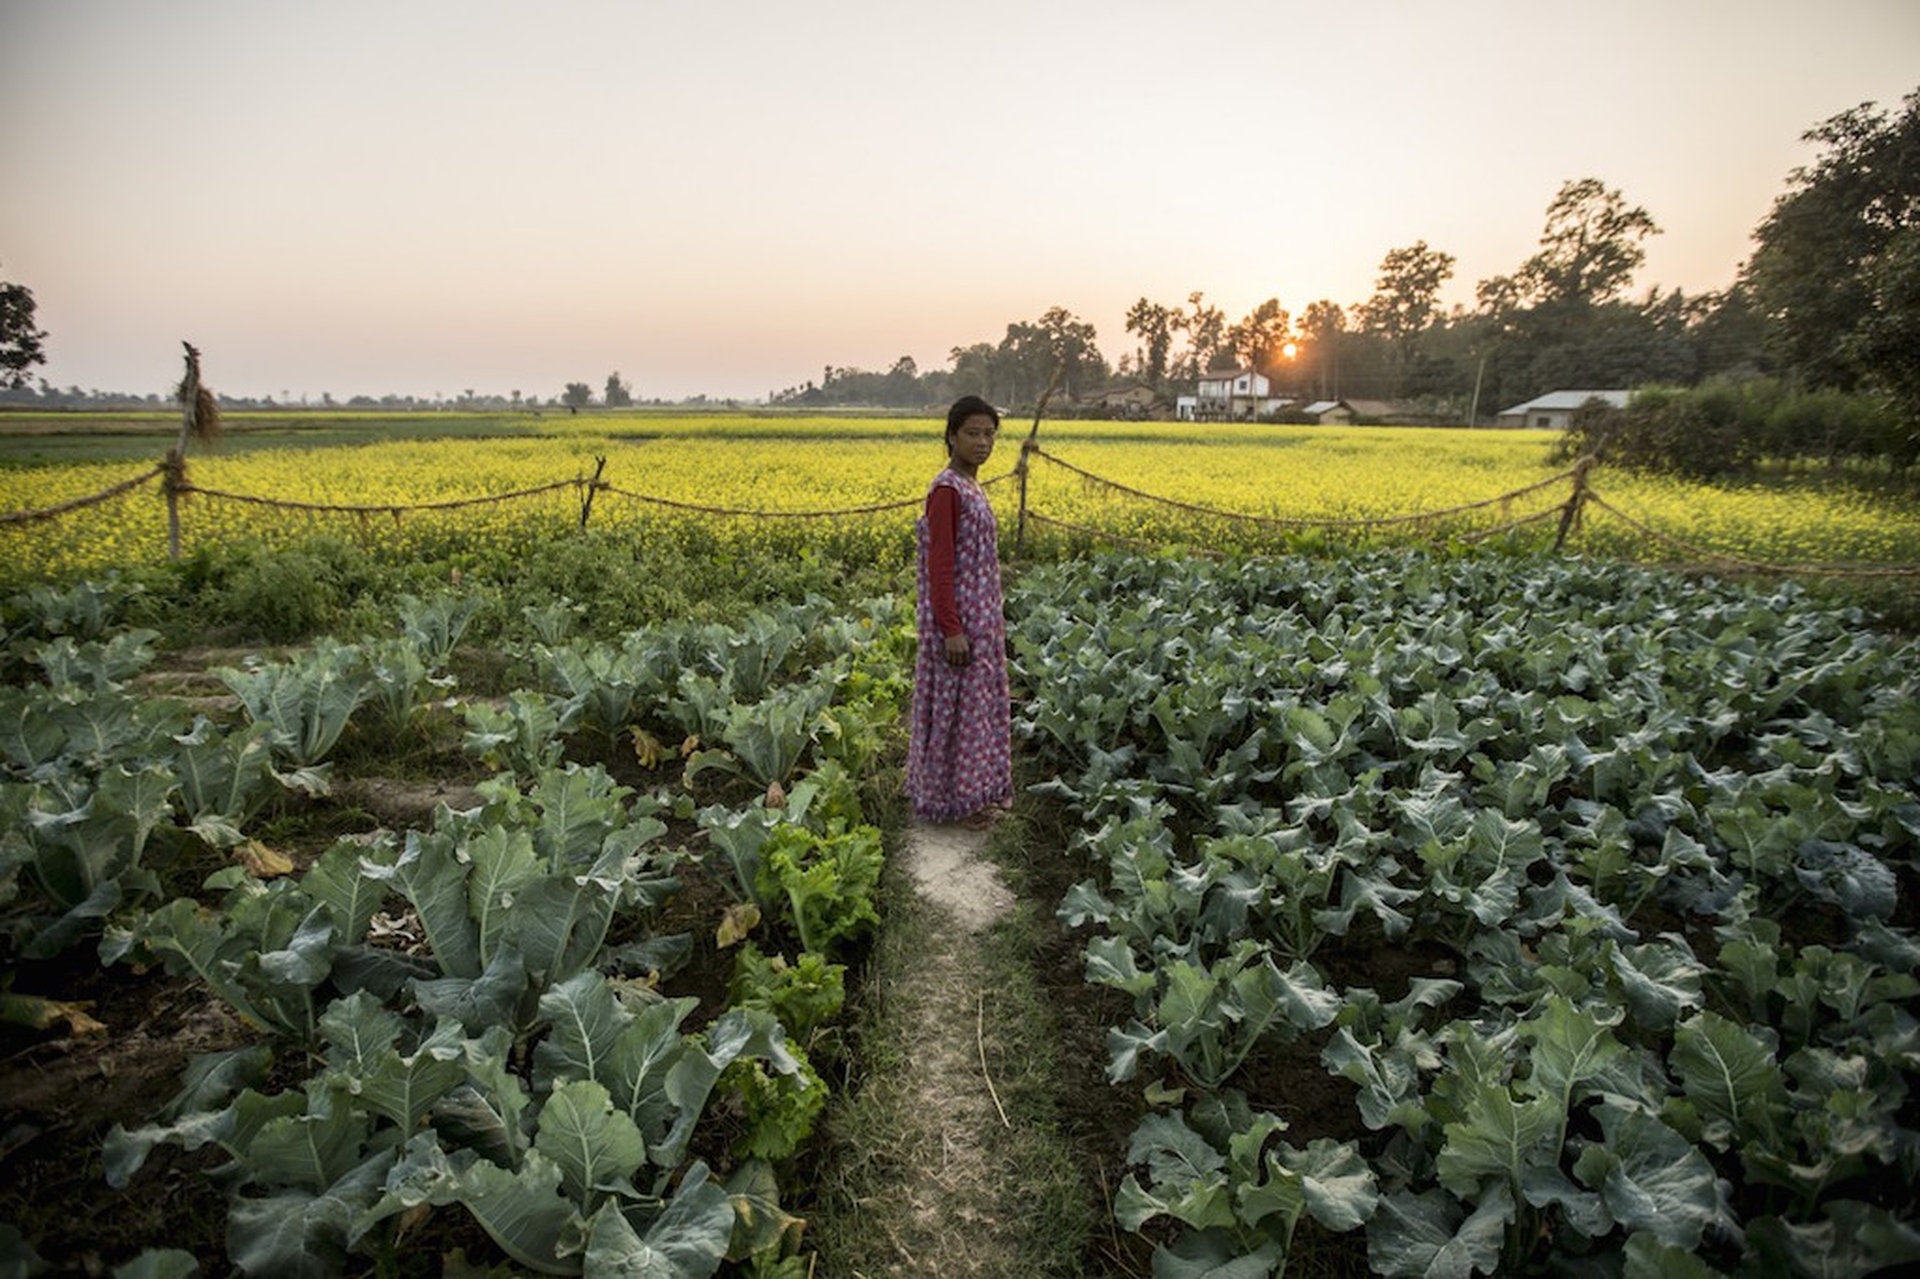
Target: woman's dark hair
(965, 407)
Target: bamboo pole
(586, 503)
(1027, 446)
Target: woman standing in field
(959, 755)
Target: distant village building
(1230, 395)
(1555, 409)
(1334, 412)
(1134, 400)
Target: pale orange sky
(426, 197)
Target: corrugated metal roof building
(1555, 409)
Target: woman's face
(973, 442)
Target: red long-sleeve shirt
(943, 528)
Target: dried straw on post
(199, 420)
(199, 410)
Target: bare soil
(61, 1093)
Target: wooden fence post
(1029, 446)
(1570, 515)
(586, 503)
(199, 420)
(173, 482)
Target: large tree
(1323, 325)
(1205, 327)
(1590, 247)
(20, 338)
(1030, 353)
(1559, 320)
(1832, 273)
(1259, 338)
(1153, 325)
(1405, 297)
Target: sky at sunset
(426, 197)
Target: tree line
(1829, 301)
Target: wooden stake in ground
(1027, 446)
(199, 420)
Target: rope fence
(1305, 522)
(734, 511)
(79, 503)
(175, 484)
(1752, 566)
(380, 508)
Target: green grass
(1040, 1203)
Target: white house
(1229, 395)
(1555, 409)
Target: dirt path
(949, 1164)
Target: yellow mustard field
(1342, 475)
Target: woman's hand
(959, 649)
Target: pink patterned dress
(959, 754)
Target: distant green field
(53, 439)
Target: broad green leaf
(306, 958)
(1429, 1235)
(559, 921)
(1174, 1153)
(1338, 1185)
(80, 921)
(596, 1147)
(587, 1021)
(434, 878)
(737, 1034)
(1853, 1239)
(1651, 1178)
(502, 865)
(304, 1234)
(1848, 876)
(1388, 1080)
(1198, 1203)
(637, 1068)
(1214, 1254)
(233, 1127)
(336, 882)
(311, 1150)
(1498, 1137)
(484, 1114)
(1124, 1046)
(360, 1030)
(579, 808)
(1299, 996)
(403, 1088)
(1649, 1258)
(189, 938)
(523, 1211)
(686, 1241)
(1569, 1046)
(1110, 962)
(1731, 1076)
(29, 736)
(491, 999)
(1661, 980)
(142, 798)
